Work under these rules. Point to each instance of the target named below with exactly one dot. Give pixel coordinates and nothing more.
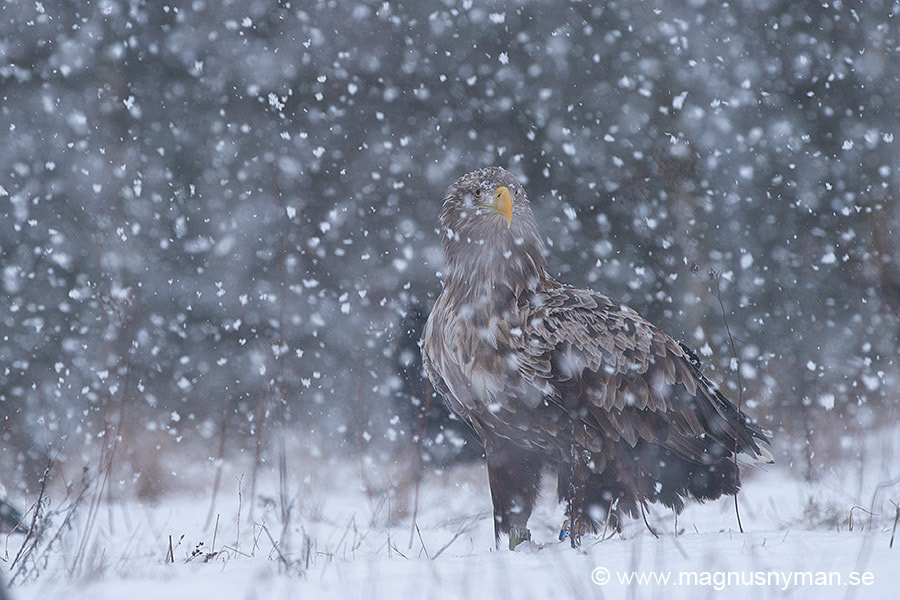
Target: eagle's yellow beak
(503, 204)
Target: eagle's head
(489, 232)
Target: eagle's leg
(578, 520)
(514, 476)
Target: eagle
(553, 377)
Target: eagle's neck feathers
(501, 268)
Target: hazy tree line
(230, 208)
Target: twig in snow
(37, 527)
(275, 546)
(465, 528)
(215, 533)
(419, 447)
(237, 536)
(220, 458)
(896, 518)
(423, 542)
(737, 426)
(850, 520)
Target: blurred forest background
(222, 215)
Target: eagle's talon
(565, 533)
(517, 535)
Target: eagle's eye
(478, 192)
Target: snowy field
(326, 531)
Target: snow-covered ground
(349, 534)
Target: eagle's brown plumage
(553, 376)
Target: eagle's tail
(653, 473)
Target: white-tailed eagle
(552, 376)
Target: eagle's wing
(622, 378)
(432, 373)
